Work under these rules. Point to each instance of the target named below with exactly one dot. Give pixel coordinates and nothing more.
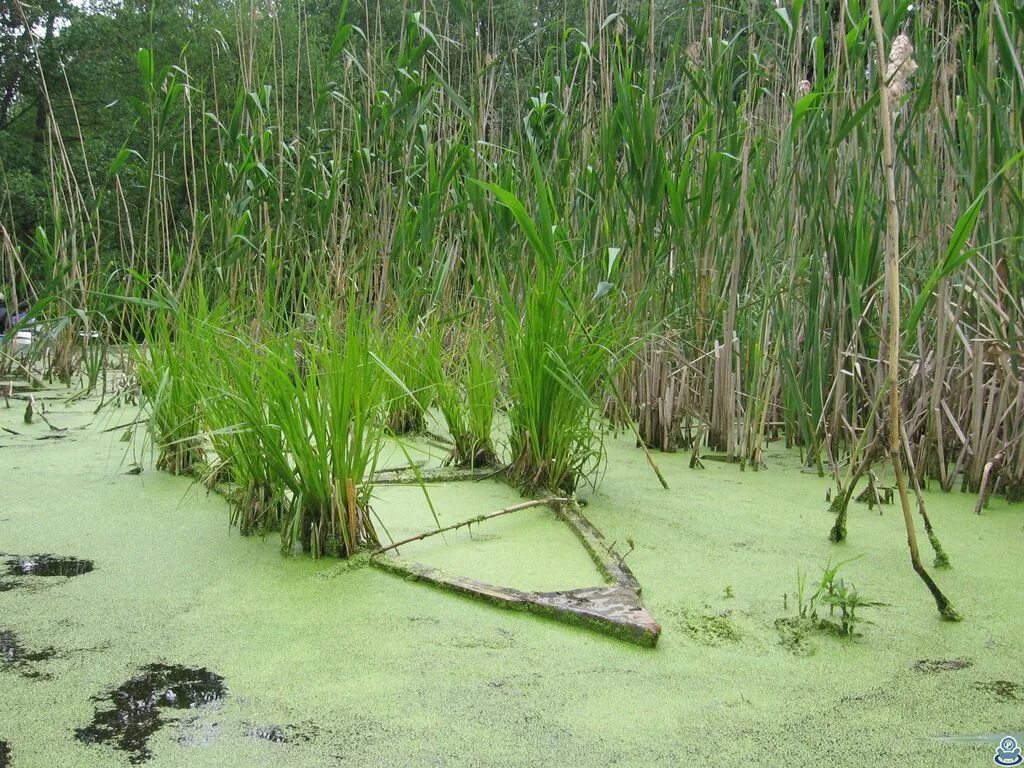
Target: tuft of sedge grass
(466, 386)
(555, 368)
(558, 359)
(328, 412)
(409, 393)
(165, 365)
(248, 445)
(293, 417)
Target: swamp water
(325, 663)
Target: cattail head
(900, 69)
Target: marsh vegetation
(305, 240)
(716, 228)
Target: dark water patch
(136, 711)
(5, 755)
(47, 566)
(934, 666)
(15, 657)
(281, 734)
(1002, 690)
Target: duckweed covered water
(529, 550)
(383, 672)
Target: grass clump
(558, 358)
(246, 442)
(166, 365)
(408, 393)
(293, 416)
(328, 414)
(466, 385)
(554, 369)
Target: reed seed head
(900, 69)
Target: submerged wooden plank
(614, 609)
(401, 476)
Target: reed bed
(675, 210)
